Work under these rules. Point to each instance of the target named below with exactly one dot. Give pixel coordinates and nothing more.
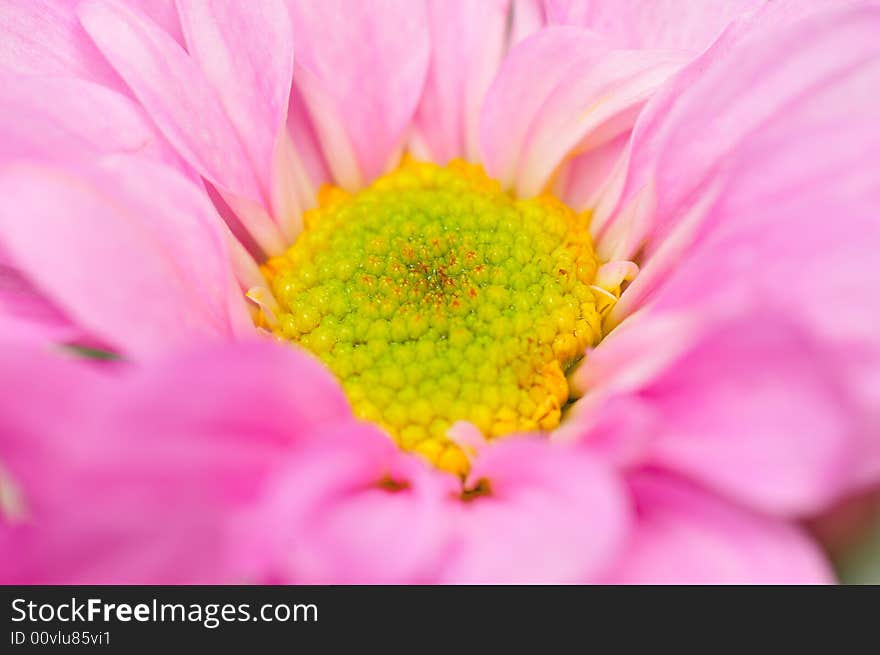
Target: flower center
(435, 297)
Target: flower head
(560, 292)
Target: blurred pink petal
(552, 515)
(25, 313)
(527, 17)
(361, 73)
(353, 509)
(185, 446)
(163, 12)
(243, 463)
(114, 250)
(684, 536)
(758, 415)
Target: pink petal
(82, 119)
(654, 24)
(268, 393)
(353, 509)
(684, 536)
(563, 90)
(246, 53)
(467, 41)
(361, 69)
(185, 446)
(132, 252)
(586, 174)
(25, 313)
(752, 408)
(758, 269)
(312, 171)
(185, 107)
(554, 515)
(718, 106)
(517, 94)
(163, 13)
(527, 17)
(44, 37)
(746, 214)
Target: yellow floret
(434, 296)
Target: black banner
(147, 619)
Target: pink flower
(154, 158)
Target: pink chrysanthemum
(440, 291)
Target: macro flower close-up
(438, 291)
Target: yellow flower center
(435, 297)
